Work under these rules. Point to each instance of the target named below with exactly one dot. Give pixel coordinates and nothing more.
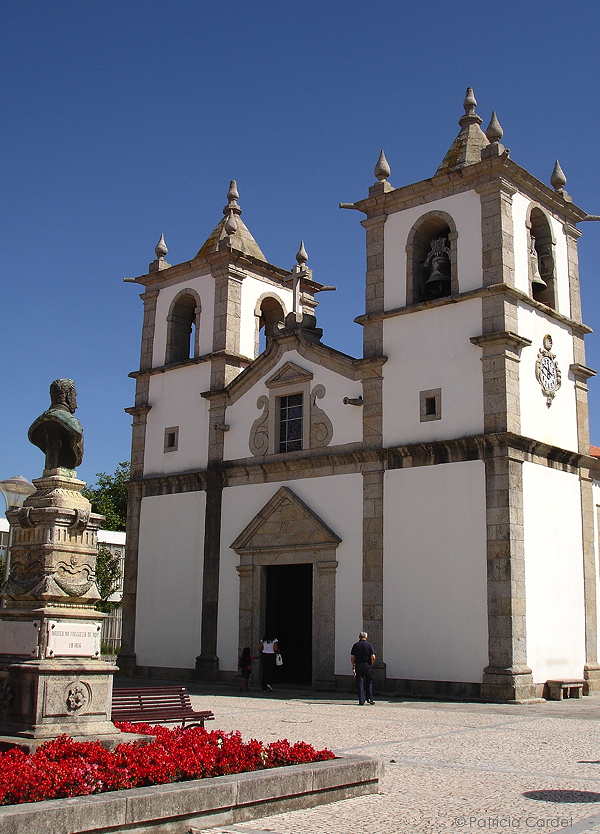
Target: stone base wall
(199, 804)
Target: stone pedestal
(52, 678)
(512, 684)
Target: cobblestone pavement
(448, 767)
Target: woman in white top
(268, 649)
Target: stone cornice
(481, 292)
(581, 372)
(334, 360)
(138, 410)
(465, 179)
(501, 337)
(221, 260)
(356, 458)
(230, 357)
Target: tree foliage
(108, 577)
(109, 496)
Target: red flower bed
(64, 767)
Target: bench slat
(160, 704)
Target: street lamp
(14, 491)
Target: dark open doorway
(288, 616)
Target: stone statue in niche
(57, 432)
(437, 268)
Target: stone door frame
(252, 602)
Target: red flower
(63, 767)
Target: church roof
(470, 141)
(234, 229)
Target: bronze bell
(536, 278)
(438, 283)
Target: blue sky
(122, 121)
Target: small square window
(430, 404)
(290, 423)
(171, 439)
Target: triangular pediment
(285, 523)
(288, 374)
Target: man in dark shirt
(362, 657)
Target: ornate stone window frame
(320, 552)
(172, 320)
(317, 428)
(551, 242)
(448, 220)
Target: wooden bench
(157, 705)
(568, 688)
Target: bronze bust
(57, 432)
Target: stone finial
(382, 168)
(494, 130)
(233, 195)
(470, 102)
(160, 250)
(301, 255)
(558, 179)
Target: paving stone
(449, 766)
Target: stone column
(127, 658)
(372, 569)
(324, 629)
(226, 339)
(507, 677)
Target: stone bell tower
(472, 292)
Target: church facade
(435, 492)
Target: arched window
(183, 327)
(269, 314)
(542, 276)
(431, 258)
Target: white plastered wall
(435, 575)
(346, 419)
(596, 501)
(556, 424)
(204, 285)
(169, 588)
(338, 501)
(175, 400)
(465, 209)
(426, 350)
(520, 205)
(555, 618)
(252, 289)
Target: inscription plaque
(73, 638)
(18, 637)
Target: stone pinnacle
(558, 179)
(382, 169)
(494, 130)
(301, 254)
(160, 249)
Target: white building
(435, 491)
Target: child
(245, 667)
